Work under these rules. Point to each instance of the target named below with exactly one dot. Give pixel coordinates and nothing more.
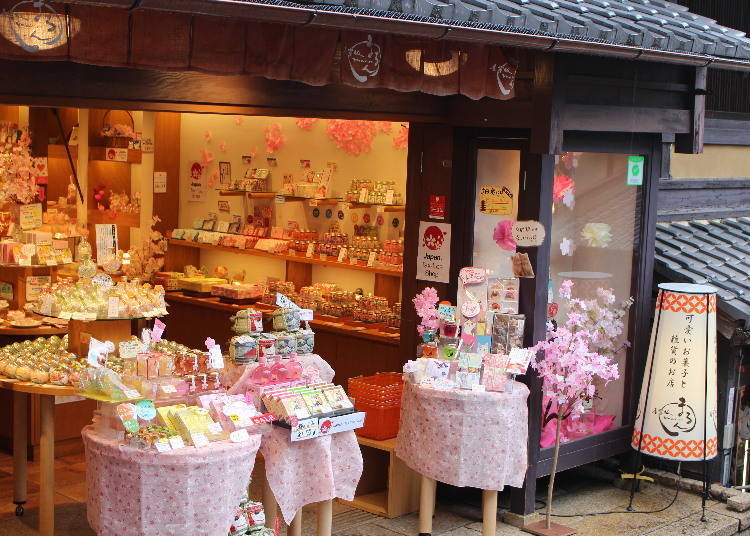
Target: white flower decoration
(597, 235)
(567, 247)
(569, 199)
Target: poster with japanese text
(434, 252)
(197, 183)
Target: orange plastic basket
(381, 422)
(379, 396)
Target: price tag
(130, 349)
(263, 419)
(380, 209)
(342, 255)
(306, 314)
(389, 197)
(279, 199)
(309, 252)
(199, 439)
(371, 259)
(131, 393)
(215, 357)
(238, 436)
(113, 307)
(323, 257)
(352, 260)
(168, 389)
(363, 195)
(24, 261)
(158, 330)
(477, 387)
(162, 445)
(176, 442)
(89, 317)
(215, 428)
(78, 316)
(305, 429)
(313, 202)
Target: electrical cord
(591, 514)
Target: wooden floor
(70, 480)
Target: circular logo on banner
(355, 217)
(316, 212)
(380, 220)
(366, 218)
(395, 223)
(433, 238)
(341, 214)
(329, 213)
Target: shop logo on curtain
(364, 59)
(506, 76)
(34, 25)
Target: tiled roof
(715, 252)
(648, 24)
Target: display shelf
(36, 388)
(344, 326)
(293, 258)
(388, 487)
(39, 331)
(58, 151)
(125, 220)
(100, 153)
(320, 200)
(247, 193)
(386, 208)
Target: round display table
(47, 393)
(304, 472)
(135, 492)
(466, 439)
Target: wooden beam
(599, 118)
(548, 98)
(71, 84)
(692, 141)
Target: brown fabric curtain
(170, 41)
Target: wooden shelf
(386, 208)
(245, 193)
(58, 151)
(291, 258)
(124, 220)
(100, 153)
(342, 326)
(388, 445)
(41, 331)
(375, 503)
(36, 388)
(321, 201)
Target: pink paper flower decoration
(206, 157)
(208, 135)
(238, 120)
(275, 140)
(212, 178)
(354, 137)
(401, 139)
(563, 183)
(503, 235)
(305, 123)
(425, 304)
(223, 146)
(386, 127)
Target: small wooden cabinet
(388, 487)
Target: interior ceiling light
(35, 25)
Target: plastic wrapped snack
(286, 319)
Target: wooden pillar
(692, 141)
(47, 466)
(535, 203)
(548, 96)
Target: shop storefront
(336, 139)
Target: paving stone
(743, 518)
(475, 529)
(739, 503)
(408, 525)
(717, 525)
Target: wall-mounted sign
(434, 252)
(437, 207)
(160, 182)
(197, 183)
(223, 205)
(635, 170)
(528, 233)
(114, 154)
(30, 216)
(496, 200)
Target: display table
(47, 393)
(145, 493)
(304, 472)
(466, 439)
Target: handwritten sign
(495, 200)
(160, 182)
(528, 233)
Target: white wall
(383, 162)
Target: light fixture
(34, 25)
(443, 66)
(676, 417)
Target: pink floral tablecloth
(312, 364)
(132, 492)
(465, 438)
(310, 471)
